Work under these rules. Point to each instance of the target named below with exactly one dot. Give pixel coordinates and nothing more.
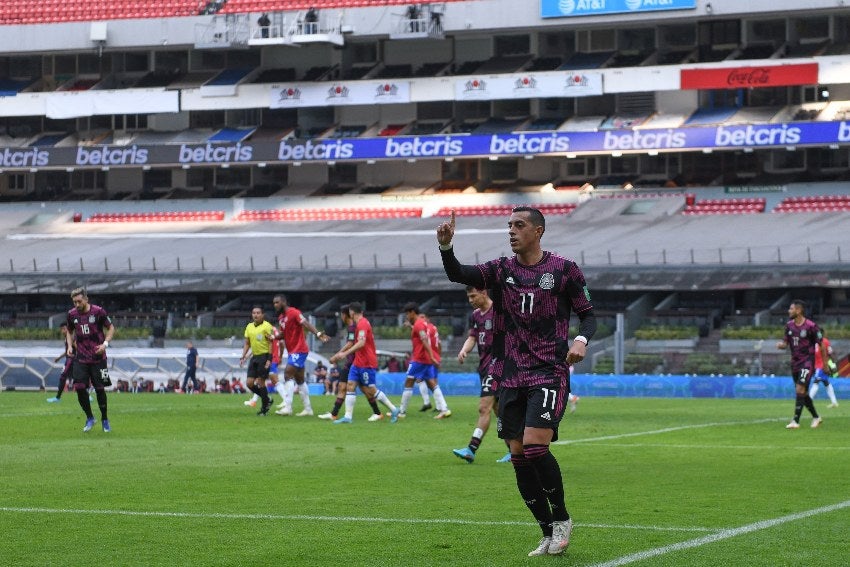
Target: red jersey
(275, 350)
(367, 356)
(436, 346)
(291, 323)
(818, 356)
(420, 328)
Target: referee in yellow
(258, 340)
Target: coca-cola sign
(750, 77)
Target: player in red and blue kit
(363, 369)
(801, 336)
(292, 324)
(533, 292)
(342, 378)
(825, 368)
(424, 360)
(90, 331)
(480, 335)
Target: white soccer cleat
(443, 414)
(542, 548)
(328, 415)
(573, 403)
(304, 413)
(250, 403)
(833, 405)
(284, 411)
(282, 404)
(816, 422)
(560, 537)
(793, 425)
(375, 417)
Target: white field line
(720, 535)
(291, 517)
(725, 447)
(667, 430)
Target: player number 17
(530, 299)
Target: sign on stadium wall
(434, 147)
(750, 77)
(564, 84)
(340, 93)
(569, 8)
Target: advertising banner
(339, 93)
(750, 77)
(568, 8)
(530, 85)
(434, 147)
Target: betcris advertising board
(569, 8)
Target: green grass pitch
(201, 480)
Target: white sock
(813, 391)
(423, 389)
(255, 398)
(478, 433)
(830, 391)
(405, 399)
(281, 390)
(304, 392)
(571, 398)
(439, 399)
(382, 397)
(350, 400)
(289, 389)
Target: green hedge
(775, 332)
(663, 332)
(635, 363)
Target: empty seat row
(503, 210)
(330, 214)
(168, 216)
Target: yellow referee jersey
(259, 337)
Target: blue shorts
(362, 376)
(421, 371)
(297, 360)
(273, 368)
(821, 376)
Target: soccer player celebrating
(423, 361)
(801, 337)
(363, 368)
(533, 294)
(66, 372)
(292, 324)
(480, 334)
(258, 338)
(86, 341)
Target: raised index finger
(452, 221)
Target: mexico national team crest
(547, 281)
(803, 334)
(91, 318)
(488, 324)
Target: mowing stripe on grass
(668, 430)
(214, 515)
(719, 536)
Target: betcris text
(104, 155)
(215, 153)
(310, 150)
(24, 158)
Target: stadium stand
(166, 216)
(726, 206)
(814, 204)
